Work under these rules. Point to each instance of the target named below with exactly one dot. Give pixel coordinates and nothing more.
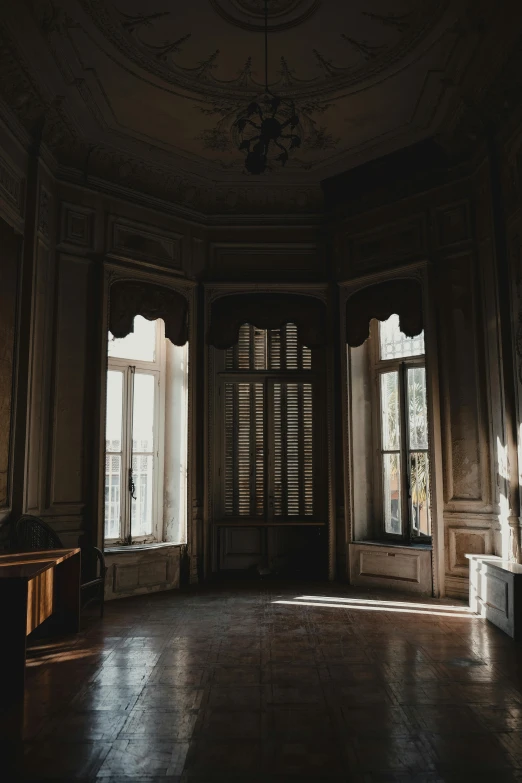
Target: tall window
(403, 432)
(142, 371)
(270, 464)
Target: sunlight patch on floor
(372, 605)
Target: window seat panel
(392, 566)
(135, 570)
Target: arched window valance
(129, 298)
(380, 301)
(267, 311)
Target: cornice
(77, 180)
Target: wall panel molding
(388, 244)
(67, 480)
(265, 261)
(466, 447)
(76, 228)
(452, 223)
(463, 540)
(134, 241)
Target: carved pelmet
(380, 301)
(129, 298)
(267, 311)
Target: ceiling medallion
(250, 14)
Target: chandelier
(267, 130)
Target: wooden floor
(269, 683)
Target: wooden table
(33, 586)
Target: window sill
(119, 548)
(390, 543)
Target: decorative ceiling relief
(209, 44)
(226, 135)
(164, 96)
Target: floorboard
(276, 682)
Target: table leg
(13, 619)
(67, 592)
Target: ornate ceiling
(137, 89)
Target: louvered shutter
(293, 468)
(244, 449)
(266, 411)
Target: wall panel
(71, 416)
(464, 449)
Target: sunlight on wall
(505, 531)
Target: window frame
(129, 368)
(379, 367)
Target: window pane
(112, 495)
(390, 411)
(113, 438)
(139, 344)
(113, 421)
(420, 493)
(392, 493)
(395, 344)
(143, 413)
(142, 474)
(418, 413)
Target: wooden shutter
(244, 449)
(286, 408)
(293, 464)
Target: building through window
(146, 437)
